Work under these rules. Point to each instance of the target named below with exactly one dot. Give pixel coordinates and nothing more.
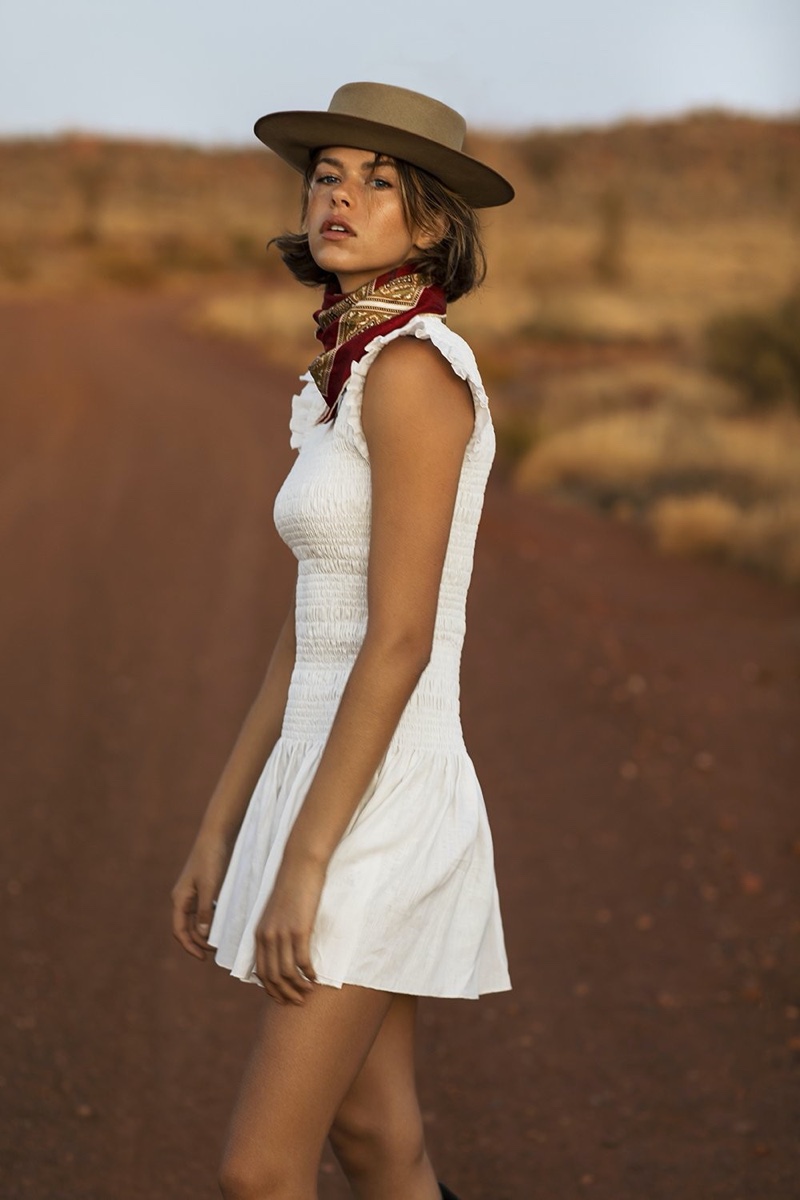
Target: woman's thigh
(304, 1062)
(387, 1077)
(378, 1123)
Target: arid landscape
(631, 686)
(639, 328)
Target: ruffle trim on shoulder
(307, 407)
(455, 350)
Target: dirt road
(635, 722)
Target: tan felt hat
(391, 120)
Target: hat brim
(294, 135)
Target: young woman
(345, 853)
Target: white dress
(410, 901)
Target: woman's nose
(340, 195)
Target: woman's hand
(283, 936)
(194, 894)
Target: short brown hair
(456, 262)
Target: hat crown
(403, 109)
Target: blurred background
(631, 675)
(640, 324)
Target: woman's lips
(335, 231)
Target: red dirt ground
(635, 722)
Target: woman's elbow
(408, 647)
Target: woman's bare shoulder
(416, 368)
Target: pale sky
(204, 70)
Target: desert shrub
(573, 397)
(759, 352)
(713, 485)
(765, 535)
(639, 457)
(699, 524)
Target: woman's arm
(200, 880)
(417, 418)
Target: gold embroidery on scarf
(358, 312)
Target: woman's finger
(302, 956)
(291, 982)
(202, 921)
(183, 908)
(267, 966)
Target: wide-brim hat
(394, 121)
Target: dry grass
(706, 483)
(570, 398)
(542, 283)
(277, 319)
(637, 454)
(765, 536)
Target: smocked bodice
(322, 512)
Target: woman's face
(355, 221)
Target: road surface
(635, 722)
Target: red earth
(634, 720)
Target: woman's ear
(426, 239)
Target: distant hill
(705, 165)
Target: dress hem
(328, 981)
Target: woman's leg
(377, 1133)
(304, 1063)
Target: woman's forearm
(381, 682)
(256, 740)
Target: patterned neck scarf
(348, 323)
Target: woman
(353, 872)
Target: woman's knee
(366, 1142)
(245, 1178)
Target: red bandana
(348, 322)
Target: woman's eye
(381, 183)
(325, 179)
